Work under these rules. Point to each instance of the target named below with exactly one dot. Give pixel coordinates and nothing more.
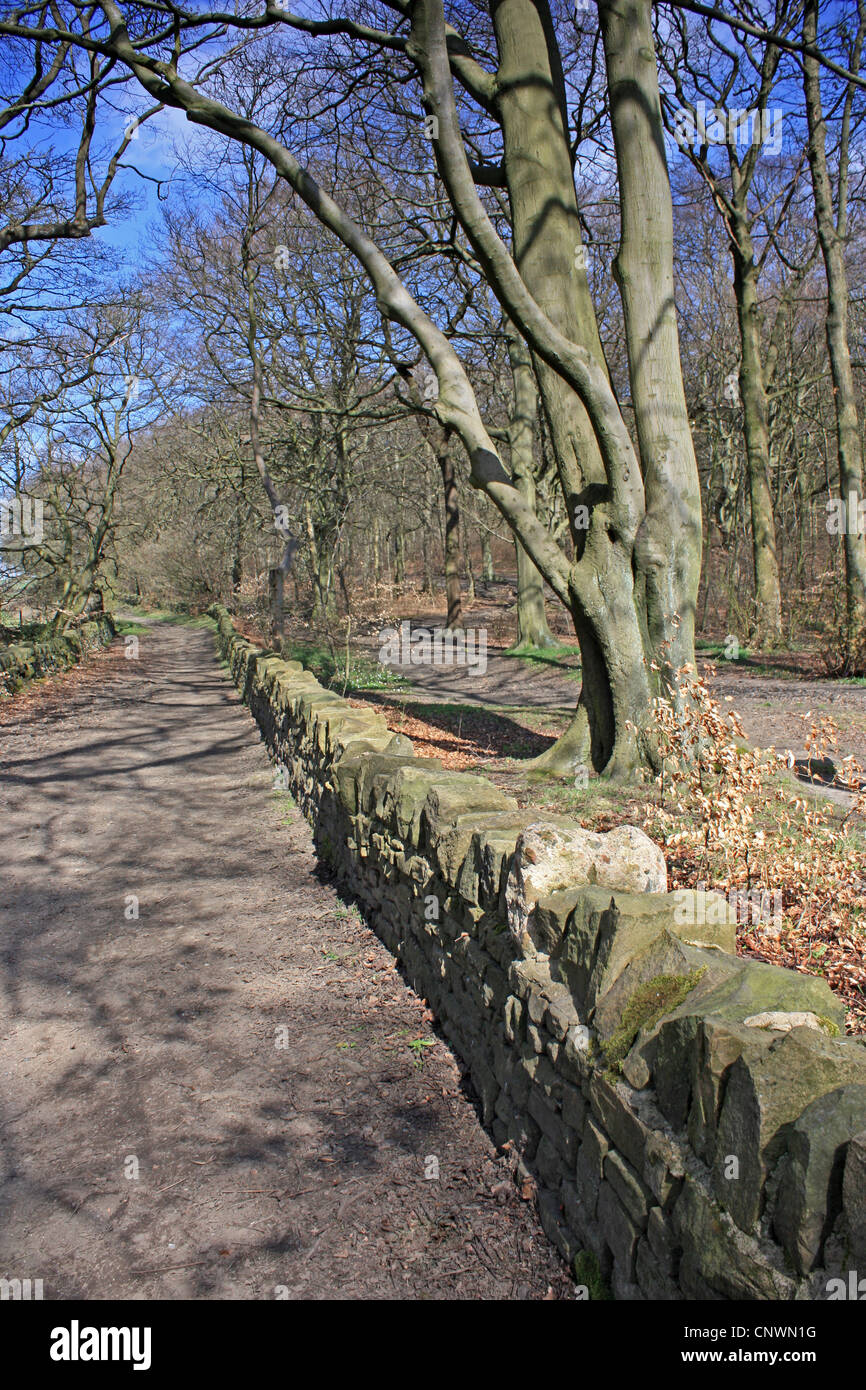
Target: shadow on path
(207, 1089)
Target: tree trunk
(532, 628)
(453, 596)
(832, 235)
(320, 562)
(487, 558)
(768, 592)
(324, 607)
(399, 559)
(276, 582)
(376, 560)
(428, 557)
(466, 546)
(548, 248)
(237, 553)
(668, 543)
(615, 698)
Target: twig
(166, 1269)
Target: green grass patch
(138, 610)
(599, 805)
(565, 658)
(717, 651)
(186, 619)
(418, 1047)
(587, 1273)
(286, 805)
(330, 671)
(163, 615)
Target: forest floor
(258, 1105)
(771, 691)
(776, 702)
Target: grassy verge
(330, 669)
(158, 615)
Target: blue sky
(168, 140)
(158, 151)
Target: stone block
(764, 1094)
(809, 1197)
(549, 1163)
(618, 1230)
(854, 1200)
(554, 855)
(631, 1191)
(663, 1244)
(554, 1224)
(653, 1281)
(590, 1165)
(718, 1259)
(573, 1107)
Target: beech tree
(831, 216)
(532, 626)
(501, 112)
(736, 118)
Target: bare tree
(832, 222)
(498, 105)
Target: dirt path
(155, 1140)
(771, 709)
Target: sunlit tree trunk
(753, 394)
(549, 253)
(487, 569)
(832, 234)
(453, 597)
(532, 627)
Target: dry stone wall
(23, 661)
(695, 1122)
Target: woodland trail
(218, 1098)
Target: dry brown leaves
(47, 695)
(455, 748)
(733, 823)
